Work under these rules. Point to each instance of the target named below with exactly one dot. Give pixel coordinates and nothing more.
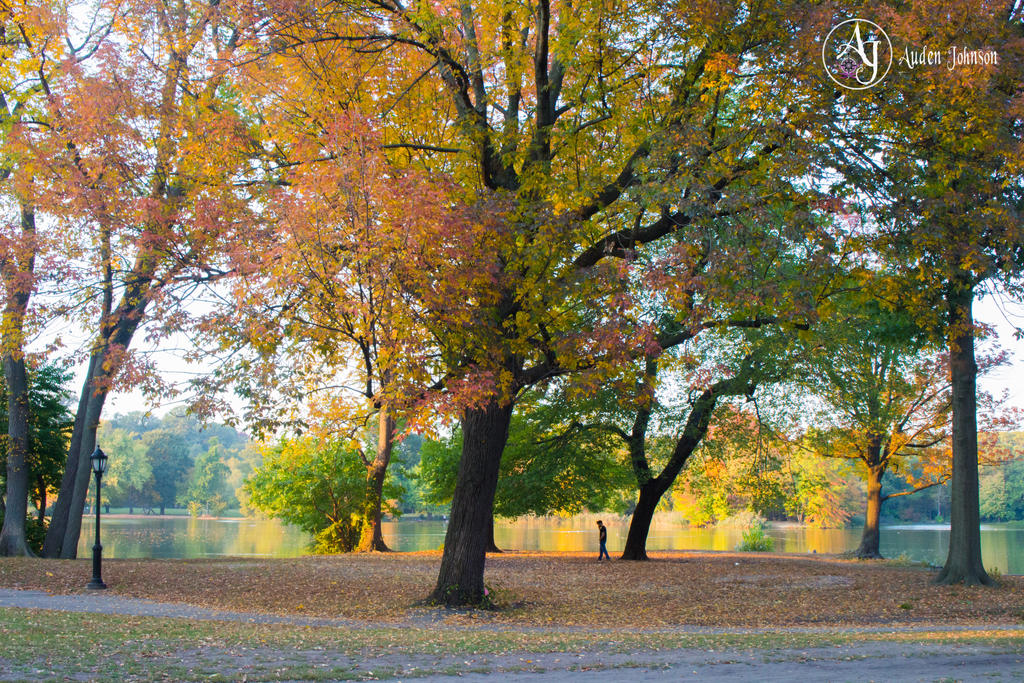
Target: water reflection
(184, 537)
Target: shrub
(744, 519)
(755, 540)
(340, 537)
(217, 505)
(317, 485)
(35, 532)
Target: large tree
(32, 49)
(581, 133)
(139, 162)
(938, 159)
(887, 403)
(319, 337)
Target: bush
(744, 519)
(35, 532)
(319, 486)
(217, 505)
(340, 537)
(755, 540)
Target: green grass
(42, 644)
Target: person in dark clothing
(602, 530)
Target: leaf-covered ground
(555, 589)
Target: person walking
(602, 531)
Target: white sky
(988, 310)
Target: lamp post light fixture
(98, 459)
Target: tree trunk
(66, 521)
(12, 536)
(869, 540)
(640, 523)
(492, 547)
(162, 509)
(963, 563)
(17, 280)
(41, 489)
(653, 488)
(371, 538)
(460, 580)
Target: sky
(1001, 315)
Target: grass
(41, 643)
(557, 611)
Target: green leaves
(317, 485)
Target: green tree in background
(552, 464)
(50, 423)
(207, 486)
(1002, 486)
(173, 443)
(129, 469)
(319, 487)
(171, 464)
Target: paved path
(103, 602)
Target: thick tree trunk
(640, 523)
(12, 536)
(371, 538)
(17, 275)
(963, 563)
(460, 580)
(869, 540)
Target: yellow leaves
(720, 71)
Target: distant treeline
(174, 461)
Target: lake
(186, 537)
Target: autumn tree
(887, 402)
(316, 327)
(938, 163)
(139, 162)
(757, 457)
(32, 49)
(582, 134)
(735, 374)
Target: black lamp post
(99, 466)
